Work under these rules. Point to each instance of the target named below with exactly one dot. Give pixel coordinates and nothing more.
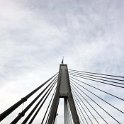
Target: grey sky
(34, 35)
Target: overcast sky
(36, 34)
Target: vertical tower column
(66, 115)
(63, 91)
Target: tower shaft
(63, 90)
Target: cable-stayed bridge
(89, 98)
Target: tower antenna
(62, 60)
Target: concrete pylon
(63, 90)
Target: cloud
(34, 35)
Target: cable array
(46, 115)
(101, 79)
(93, 99)
(35, 105)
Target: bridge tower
(63, 90)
